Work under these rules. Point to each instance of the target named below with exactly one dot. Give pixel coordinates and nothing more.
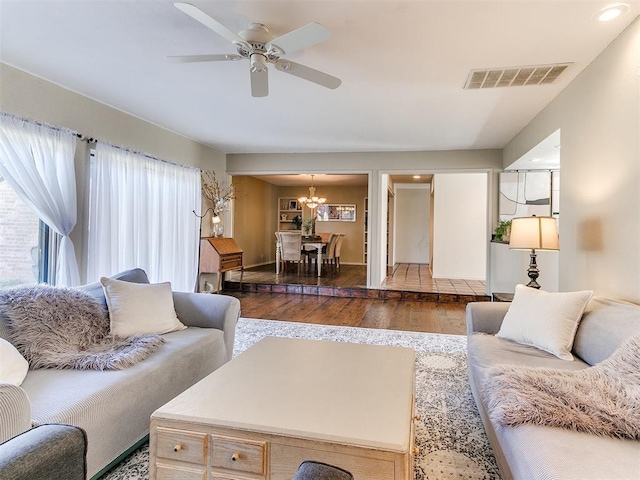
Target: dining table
(317, 242)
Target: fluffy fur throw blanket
(602, 400)
(55, 327)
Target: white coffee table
(288, 400)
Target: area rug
(452, 441)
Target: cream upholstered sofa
(535, 452)
(113, 407)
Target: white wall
(31, 97)
(599, 116)
(412, 223)
(460, 226)
(509, 267)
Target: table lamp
(534, 233)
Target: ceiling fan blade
(301, 71)
(259, 83)
(301, 38)
(210, 22)
(204, 58)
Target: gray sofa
(113, 406)
(47, 452)
(534, 452)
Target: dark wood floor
(356, 312)
(402, 277)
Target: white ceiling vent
(515, 76)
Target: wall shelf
(288, 208)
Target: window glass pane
(19, 237)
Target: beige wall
(363, 162)
(256, 214)
(353, 243)
(31, 97)
(254, 219)
(599, 118)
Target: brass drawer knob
(416, 416)
(177, 448)
(235, 457)
(416, 450)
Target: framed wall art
(336, 212)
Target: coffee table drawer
(171, 472)
(238, 454)
(182, 445)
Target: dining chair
(290, 248)
(279, 249)
(328, 258)
(336, 254)
(310, 253)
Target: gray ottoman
(320, 471)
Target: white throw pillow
(13, 366)
(138, 308)
(548, 321)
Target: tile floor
(417, 278)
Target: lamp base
(533, 271)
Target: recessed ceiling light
(416, 177)
(535, 160)
(611, 11)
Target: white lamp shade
(537, 233)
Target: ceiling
(403, 65)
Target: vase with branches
(309, 226)
(218, 199)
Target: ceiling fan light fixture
(258, 45)
(258, 63)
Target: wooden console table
(502, 297)
(219, 255)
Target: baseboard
(272, 262)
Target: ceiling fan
(260, 47)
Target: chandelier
(311, 201)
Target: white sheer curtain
(140, 215)
(37, 161)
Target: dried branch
(213, 193)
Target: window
(141, 215)
(37, 162)
(27, 253)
